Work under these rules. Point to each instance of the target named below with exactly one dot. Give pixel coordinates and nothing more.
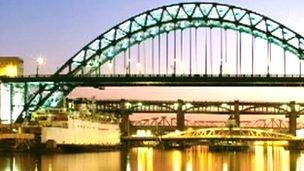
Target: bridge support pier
(292, 119)
(296, 145)
(180, 116)
(180, 121)
(125, 125)
(125, 122)
(236, 115)
(292, 123)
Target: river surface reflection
(258, 158)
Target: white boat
(77, 129)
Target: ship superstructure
(77, 127)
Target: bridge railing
(158, 76)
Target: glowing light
(225, 166)
(190, 129)
(175, 106)
(177, 160)
(128, 105)
(270, 157)
(177, 132)
(286, 107)
(110, 65)
(40, 61)
(10, 70)
(187, 106)
(225, 105)
(144, 133)
(259, 157)
(189, 162)
(139, 104)
(148, 133)
(145, 159)
(300, 133)
(297, 107)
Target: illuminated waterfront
(224, 45)
(258, 158)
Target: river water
(258, 158)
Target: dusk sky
(57, 29)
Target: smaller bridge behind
(180, 108)
(169, 123)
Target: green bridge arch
(158, 21)
(180, 16)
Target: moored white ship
(77, 129)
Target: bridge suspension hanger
(144, 57)
(240, 51)
(268, 57)
(174, 52)
(190, 51)
(129, 58)
(195, 42)
(237, 53)
(211, 60)
(167, 53)
(221, 46)
(114, 65)
(159, 49)
(181, 51)
(300, 67)
(284, 54)
(125, 61)
(252, 54)
(226, 46)
(152, 55)
(206, 52)
(138, 67)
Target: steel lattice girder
(231, 133)
(36, 94)
(180, 16)
(216, 107)
(177, 16)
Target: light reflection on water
(258, 158)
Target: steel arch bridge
(150, 25)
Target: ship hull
(81, 135)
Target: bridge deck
(164, 80)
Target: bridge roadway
(195, 107)
(162, 80)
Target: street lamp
(40, 61)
